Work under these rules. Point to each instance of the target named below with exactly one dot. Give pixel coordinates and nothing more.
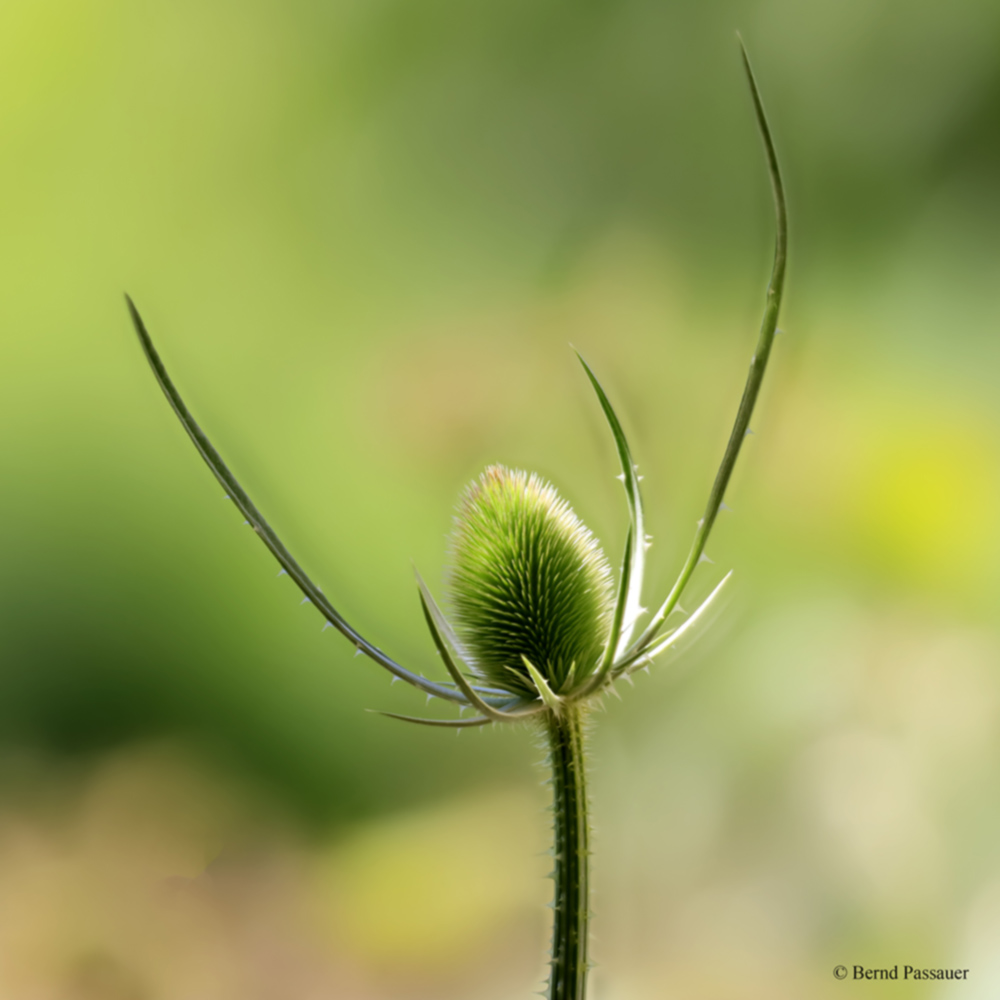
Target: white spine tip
(704, 559)
(282, 572)
(326, 625)
(358, 651)
(620, 477)
(246, 522)
(724, 506)
(393, 681)
(748, 432)
(305, 600)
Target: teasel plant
(541, 630)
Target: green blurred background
(363, 234)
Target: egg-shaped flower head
(528, 582)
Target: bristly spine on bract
(540, 628)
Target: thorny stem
(569, 964)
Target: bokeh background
(364, 233)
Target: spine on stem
(569, 965)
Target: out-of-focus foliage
(363, 234)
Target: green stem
(568, 977)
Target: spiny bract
(528, 580)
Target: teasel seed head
(528, 581)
